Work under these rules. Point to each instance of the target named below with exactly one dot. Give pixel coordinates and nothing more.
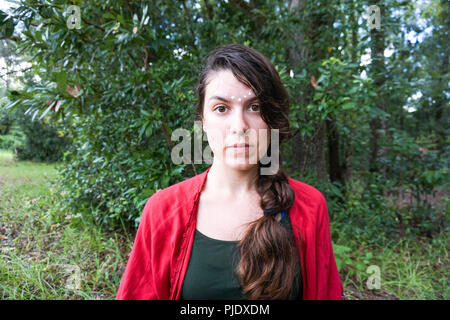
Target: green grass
(43, 254)
(31, 177)
(410, 267)
(408, 270)
(417, 270)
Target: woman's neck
(230, 181)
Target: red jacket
(160, 255)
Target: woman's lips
(239, 147)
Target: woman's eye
(221, 109)
(254, 107)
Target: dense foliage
(36, 140)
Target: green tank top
(211, 271)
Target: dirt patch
(352, 293)
(405, 197)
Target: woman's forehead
(224, 83)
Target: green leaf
(47, 110)
(317, 96)
(340, 249)
(360, 266)
(6, 25)
(108, 15)
(120, 18)
(143, 129)
(61, 80)
(12, 104)
(34, 114)
(348, 105)
(145, 113)
(148, 131)
(338, 263)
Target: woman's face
(231, 116)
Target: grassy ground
(408, 270)
(42, 255)
(45, 256)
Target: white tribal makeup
(239, 99)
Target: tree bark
(347, 165)
(308, 152)
(378, 124)
(336, 169)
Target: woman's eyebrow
(218, 98)
(226, 100)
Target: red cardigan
(160, 255)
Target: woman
(235, 231)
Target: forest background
(90, 98)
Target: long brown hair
(268, 258)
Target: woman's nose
(239, 124)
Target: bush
(31, 138)
(110, 171)
(13, 139)
(6, 122)
(42, 141)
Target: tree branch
(91, 24)
(12, 38)
(146, 58)
(133, 59)
(14, 71)
(209, 10)
(130, 8)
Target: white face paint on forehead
(239, 99)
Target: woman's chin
(240, 164)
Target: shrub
(43, 142)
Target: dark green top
(211, 271)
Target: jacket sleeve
(146, 276)
(329, 286)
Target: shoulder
(181, 191)
(306, 192)
(310, 206)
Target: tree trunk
(377, 125)
(308, 152)
(347, 165)
(336, 169)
